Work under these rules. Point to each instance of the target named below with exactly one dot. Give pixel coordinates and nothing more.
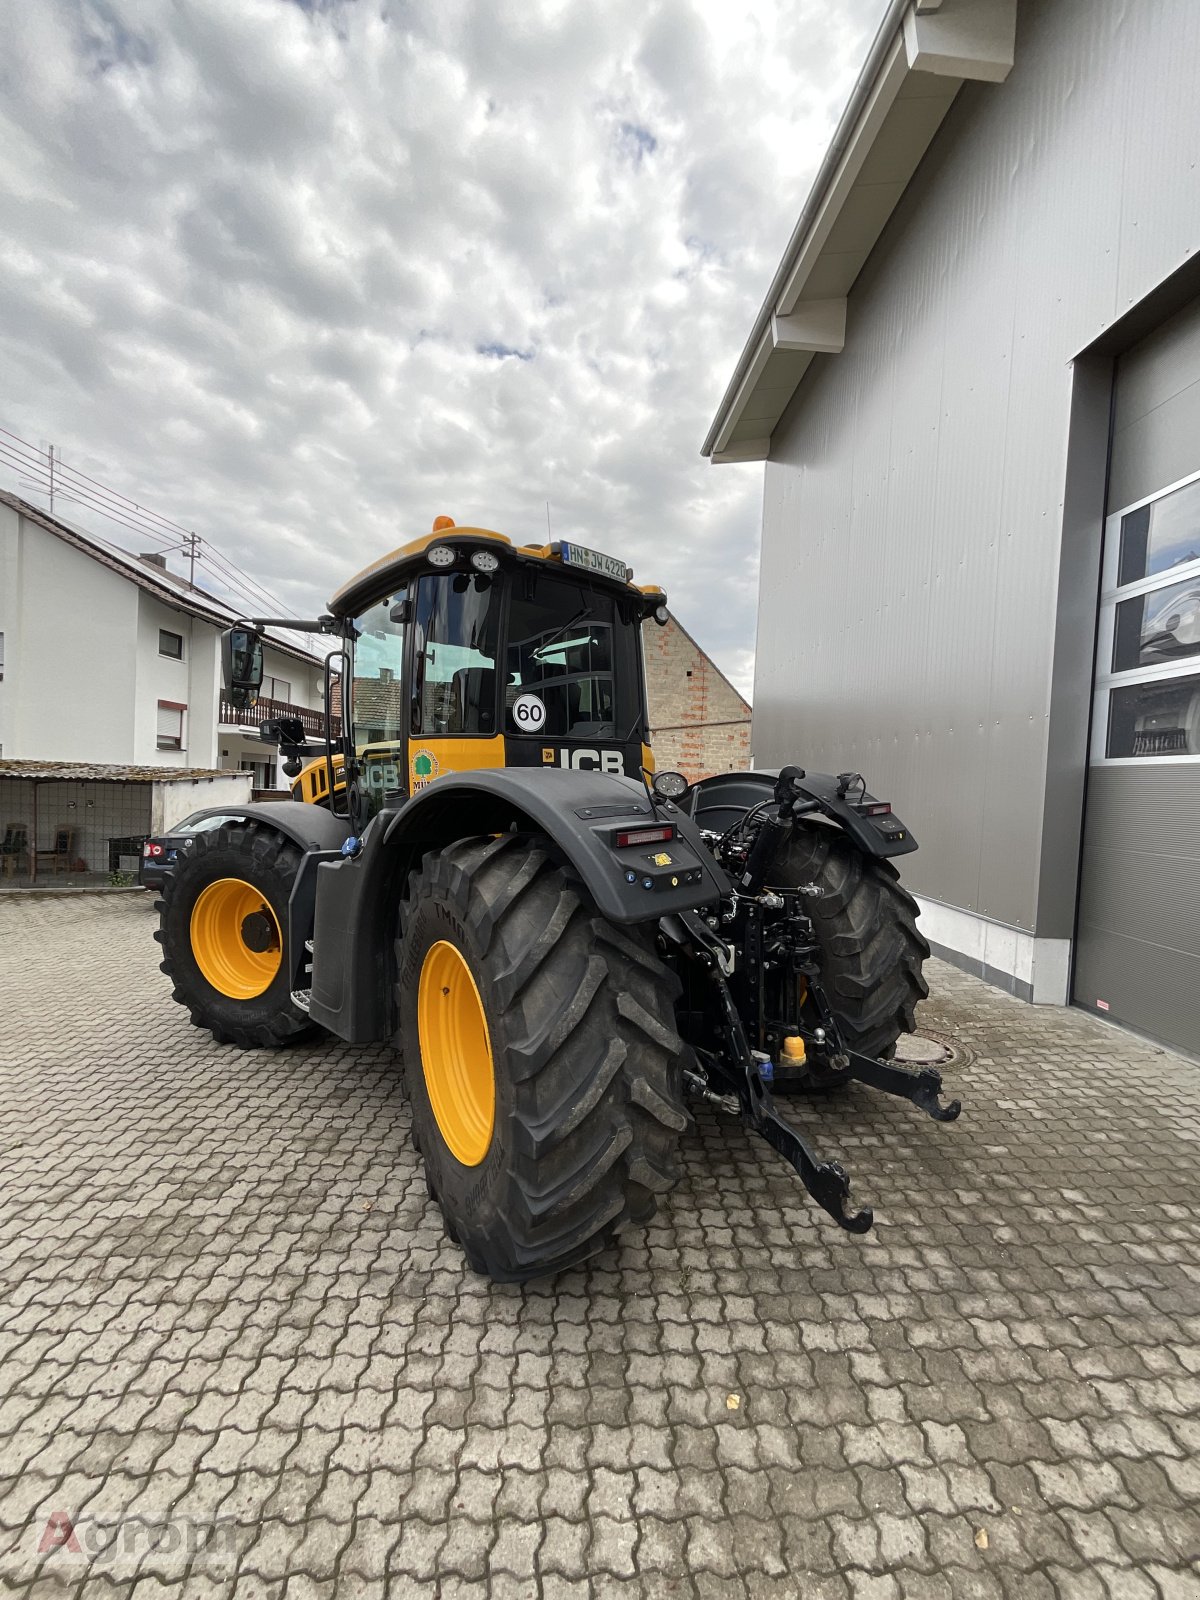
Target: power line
(13, 458)
(48, 475)
(113, 495)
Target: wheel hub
(235, 939)
(456, 1053)
(259, 932)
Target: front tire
(865, 922)
(223, 923)
(540, 1057)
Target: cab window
(377, 688)
(456, 625)
(564, 649)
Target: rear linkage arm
(736, 1071)
(923, 1087)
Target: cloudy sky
(301, 277)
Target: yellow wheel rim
(236, 939)
(456, 1053)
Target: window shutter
(170, 724)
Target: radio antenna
(547, 520)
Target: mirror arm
(323, 624)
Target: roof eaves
(939, 42)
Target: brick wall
(699, 723)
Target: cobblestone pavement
(229, 1313)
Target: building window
(276, 689)
(170, 725)
(1147, 683)
(170, 644)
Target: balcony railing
(311, 718)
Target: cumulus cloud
(302, 276)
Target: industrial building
(975, 383)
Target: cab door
(453, 720)
(378, 706)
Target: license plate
(578, 555)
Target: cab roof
(398, 566)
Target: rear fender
(579, 812)
(719, 802)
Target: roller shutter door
(1137, 957)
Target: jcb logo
(585, 760)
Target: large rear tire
(223, 922)
(866, 926)
(540, 1057)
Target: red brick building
(699, 723)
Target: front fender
(311, 827)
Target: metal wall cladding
(1138, 945)
(912, 504)
(1156, 411)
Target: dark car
(160, 854)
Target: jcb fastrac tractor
(564, 945)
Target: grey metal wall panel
(1138, 940)
(1160, 985)
(1142, 896)
(1156, 411)
(913, 500)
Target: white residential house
(110, 657)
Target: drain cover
(924, 1050)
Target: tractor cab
(462, 651)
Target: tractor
(565, 945)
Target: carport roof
(103, 772)
(924, 52)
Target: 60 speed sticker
(529, 713)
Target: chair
(61, 853)
(15, 849)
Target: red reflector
(645, 835)
(878, 808)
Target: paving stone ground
(228, 1312)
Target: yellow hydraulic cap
(792, 1051)
(442, 522)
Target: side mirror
(401, 611)
(283, 731)
(242, 665)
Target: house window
(170, 644)
(277, 689)
(170, 725)
(1147, 685)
